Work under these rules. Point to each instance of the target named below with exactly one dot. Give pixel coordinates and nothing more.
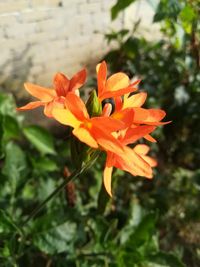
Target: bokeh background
(147, 223)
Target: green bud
(93, 105)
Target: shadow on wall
(14, 72)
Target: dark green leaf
(143, 231)
(166, 259)
(167, 9)
(119, 6)
(10, 127)
(7, 225)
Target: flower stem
(74, 175)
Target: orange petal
(106, 140)
(77, 80)
(48, 109)
(141, 149)
(136, 100)
(114, 94)
(101, 77)
(31, 105)
(107, 109)
(107, 177)
(76, 106)
(65, 117)
(150, 138)
(151, 161)
(84, 136)
(108, 124)
(126, 116)
(133, 163)
(117, 81)
(118, 103)
(149, 116)
(61, 84)
(133, 134)
(42, 93)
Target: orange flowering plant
(112, 120)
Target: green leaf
(187, 16)
(56, 240)
(143, 231)
(10, 127)
(40, 138)
(15, 166)
(7, 105)
(44, 164)
(167, 9)
(166, 259)
(119, 6)
(7, 225)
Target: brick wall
(41, 37)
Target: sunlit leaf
(40, 138)
(56, 240)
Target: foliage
(169, 69)
(147, 223)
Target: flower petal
(151, 161)
(107, 177)
(136, 100)
(133, 134)
(61, 84)
(114, 94)
(150, 138)
(84, 136)
(133, 163)
(48, 109)
(31, 105)
(126, 116)
(76, 106)
(101, 77)
(141, 149)
(65, 117)
(149, 116)
(42, 93)
(117, 81)
(77, 80)
(118, 103)
(108, 124)
(106, 140)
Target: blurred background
(147, 223)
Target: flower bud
(93, 105)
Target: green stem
(74, 175)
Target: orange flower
(118, 84)
(141, 115)
(134, 160)
(129, 161)
(50, 98)
(142, 151)
(94, 131)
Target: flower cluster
(118, 122)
